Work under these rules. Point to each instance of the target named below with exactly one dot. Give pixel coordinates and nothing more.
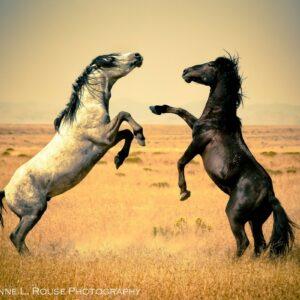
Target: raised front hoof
(140, 138)
(141, 142)
(118, 161)
(155, 109)
(185, 195)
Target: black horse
(217, 137)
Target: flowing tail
(2, 195)
(282, 238)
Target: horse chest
(219, 161)
(202, 138)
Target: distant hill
(260, 114)
(29, 112)
(270, 114)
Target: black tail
(282, 237)
(2, 195)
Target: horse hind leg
(241, 238)
(237, 224)
(27, 222)
(256, 223)
(260, 244)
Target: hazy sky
(46, 44)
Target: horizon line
(148, 124)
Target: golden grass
(128, 229)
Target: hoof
(255, 255)
(140, 139)
(141, 142)
(185, 195)
(155, 109)
(24, 251)
(118, 161)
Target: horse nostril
(138, 59)
(185, 71)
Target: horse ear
(221, 63)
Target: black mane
(229, 72)
(229, 67)
(68, 114)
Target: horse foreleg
(126, 135)
(188, 155)
(184, 114)
(114, 125)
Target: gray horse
(84, 134)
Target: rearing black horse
(217, 137)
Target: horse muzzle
(185, 76)
(138, 60)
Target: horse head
(117, 65)
(212, 72)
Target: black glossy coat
(218, 138)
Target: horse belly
(71, 176)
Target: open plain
(127, 228)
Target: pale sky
(46, 44)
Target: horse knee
(129, 135)
(125, 115)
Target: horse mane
(68, 114)
(229, 67)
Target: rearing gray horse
(84, 134)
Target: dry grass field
(128, 229)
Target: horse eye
(211, 64)
(108, 62)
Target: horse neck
(221, 102)
(98, 93)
